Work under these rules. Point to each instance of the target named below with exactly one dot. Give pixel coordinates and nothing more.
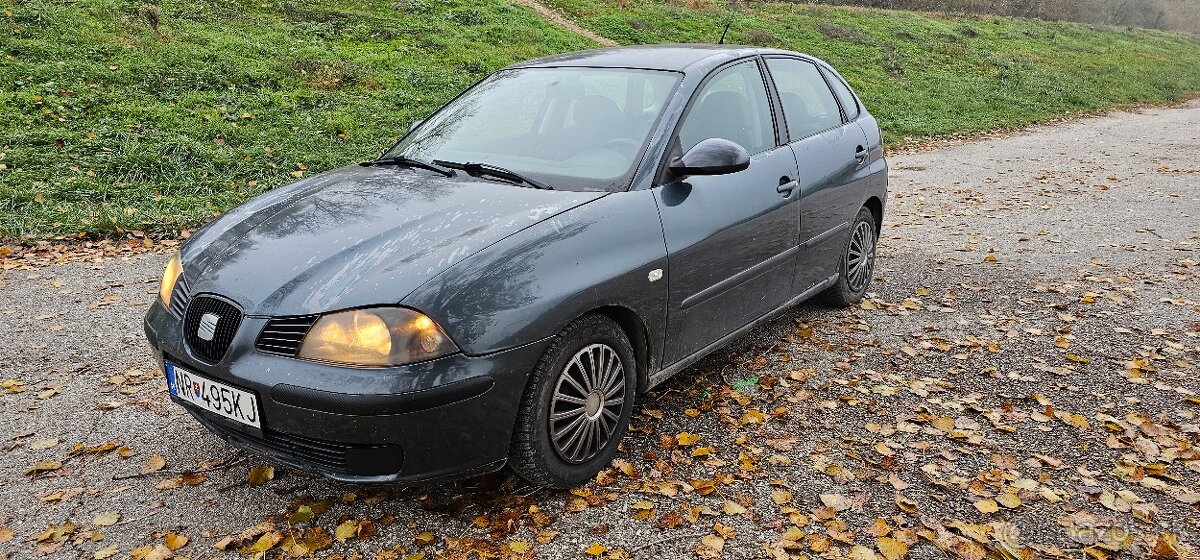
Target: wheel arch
(876, 207)
(639, 337)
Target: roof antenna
(728, 22)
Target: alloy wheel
(860, 258)
(586, 405)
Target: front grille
(229, 317)
(284, 335)
(180, 296)
(306, 452)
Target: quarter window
(808, 105)
(842, 91)
(732, 105)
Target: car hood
(357, 236)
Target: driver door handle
(786, 186)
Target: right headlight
(379, 336)
(169, 279)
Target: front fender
(530, 285)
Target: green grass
(926, 76)
(107, 124)
(117, 115)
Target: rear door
(731, 239)
(830, 150)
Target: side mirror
(714, 156)
(415, 124)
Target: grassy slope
(162, 130)
(924, 75)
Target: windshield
(570, 128)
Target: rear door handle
(860, 155)
(786, 186)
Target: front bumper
(443, 419)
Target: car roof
(681, 57)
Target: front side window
(732, 105)
(571, 128)
(808, 105)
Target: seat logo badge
(208, 326)
(655, 275)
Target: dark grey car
(499, 286)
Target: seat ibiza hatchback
(500, 284)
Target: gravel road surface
(1022, 382)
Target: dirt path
(1024, 378)
(558, 19)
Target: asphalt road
(1023, 380)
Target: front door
(731, 239)
(829, 152)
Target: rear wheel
(577, 405)
(857, 263)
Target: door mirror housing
(714, 156)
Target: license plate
(213, 396)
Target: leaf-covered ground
(1022, 383)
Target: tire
(560, 386)
(854, 275)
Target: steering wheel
(625, 146)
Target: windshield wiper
(494, 171)
(410, 162)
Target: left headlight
(170, 276)
(380, 336)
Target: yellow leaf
(107, 518)
(264, 543)
(175, 541)
(712, 542)
(752, 416)
(302, 514)
(836, 501)
(987, 506)
(44, 466)
(892, 549)
(1009, 500)
(346, 530)
(733, 508)
(686, 439)
(106, 552)
(781, 497)
(261, 475)
(519, 547)
(595, 550)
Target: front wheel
(857, 263)
(577, 405)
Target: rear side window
(808, 105)
(732, 105)
(842, 91)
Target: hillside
(119, 116)
(925, 75)
(115, 115)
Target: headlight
(170, 276)
(381, 336)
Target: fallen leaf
(106, 519)
(987, 506)
(154, 464)
(261, 475)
